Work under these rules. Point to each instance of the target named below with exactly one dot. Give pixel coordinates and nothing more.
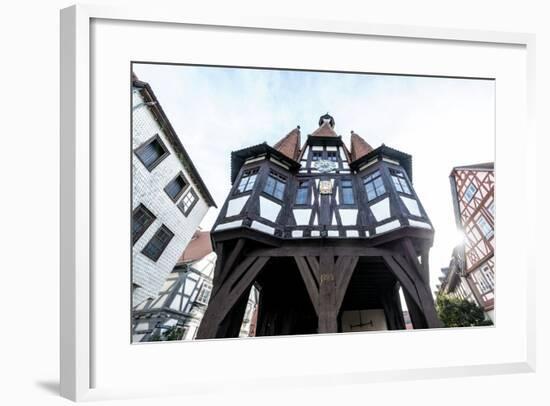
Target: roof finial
(327, 118)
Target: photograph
(282, 202)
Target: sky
(441, 122)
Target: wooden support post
(310, 280)
(328, 313)
(392, 308)
(232, 290)
(425, 262)
(399, 309)
(415, 313)
(344, 268)
(226, 264)
(416, 289)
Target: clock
(325, 166)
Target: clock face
(325, 166)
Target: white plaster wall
(235, 206)
(412, 205)
(420, 224)
(372, 320)
(269, 209)
(381, 210)
(388, 226)
(302, 216)
(348, 217)
(148, 188)
(231, 224)
(343, 155)
(262, 227)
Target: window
(204, 294)
(152, 152)
(470, 192)
(347, 192)
(483, 285)
(489, 275)
(247, 180)
(485, 228)
(156, 246)
(175, 188)
(142, 218)
(302, 192)
(491, 208)
(188, 202)
(374, 185)
(332, 156)
(275, 185)
(316, 155)
(400, 182)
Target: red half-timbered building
(328, 235)
(472, 188)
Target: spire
(289, 145)
(326, 127)
(359, 147)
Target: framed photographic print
(318, 195)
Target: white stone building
(178, 310)
(169, 198)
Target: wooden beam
(238, 288)
(415, 313)
(314, 265)
(328, 314)
(312, 251)
(345, 266)
(403, 278)
(309, 280)
(426, 302)
(235, 252)
(228, 294)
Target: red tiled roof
(290, 144)
(199, 246)
(325, 130)
(359, 147)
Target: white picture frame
(79, 352)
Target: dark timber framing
(310, 271)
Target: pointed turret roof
(359, 147)
(290, 144)
(326, 127)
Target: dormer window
(332, 156)
(275, 185)
(317, 155)
(400, 182)
(374, 185)
(247, 180)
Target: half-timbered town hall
(328, 235)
